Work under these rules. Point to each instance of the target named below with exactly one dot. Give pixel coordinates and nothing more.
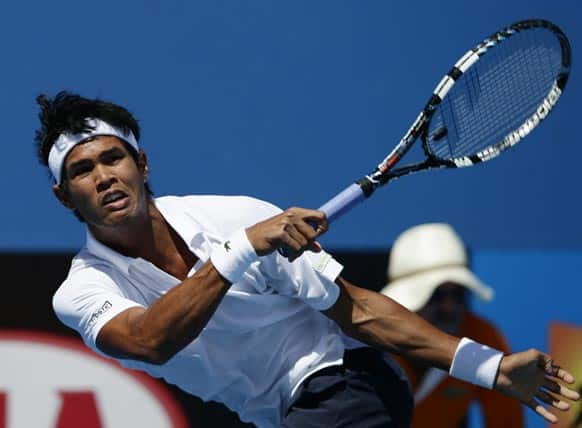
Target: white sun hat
(422, 258)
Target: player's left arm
(530, 376)
(381, 322)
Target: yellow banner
(566, 349)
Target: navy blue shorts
(367, 391)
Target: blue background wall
(290, 102)
(287, 101)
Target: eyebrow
(111, 151)
(103, 154)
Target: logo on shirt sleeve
(227, 246)
(322, 262)
(104, 308)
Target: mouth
(115, 199)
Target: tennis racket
(491, 99)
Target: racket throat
(367, 186)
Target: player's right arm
(531, 376)
(155, 334)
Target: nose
(104, 177)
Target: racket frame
(385, 172)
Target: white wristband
(476, 363)
(234, 256)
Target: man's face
(103, 183)
(446, 307)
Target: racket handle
(343, 202)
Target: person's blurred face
(446, 307)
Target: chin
(121, 217)
(117, 218)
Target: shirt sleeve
(310, 277)
(87, 300)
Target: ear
(142, 164)
(62, 196)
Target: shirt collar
(102, 251)
(190, 226)
(190, 229)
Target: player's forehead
(94, 147)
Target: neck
(151, 238)
(137, 236)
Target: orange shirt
(448, 403)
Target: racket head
(496, 94)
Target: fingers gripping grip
(337, 206)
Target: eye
(80, 170)
(113, 157)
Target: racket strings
(515, 86)
(496, 95)
(513, 91)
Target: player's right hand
(295, 229)
(534, 379)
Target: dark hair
(68, 112)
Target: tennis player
(192, 289)
(428, 273)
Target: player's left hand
(534, 379)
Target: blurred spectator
(428, 272)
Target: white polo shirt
(267, 334)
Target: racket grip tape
(343, 202)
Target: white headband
(67, 141)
